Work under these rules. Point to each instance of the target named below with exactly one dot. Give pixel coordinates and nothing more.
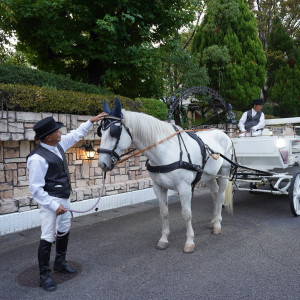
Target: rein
(161, 141)
(80, 211)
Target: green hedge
(14, 74)
(41, 99)
(154, 107)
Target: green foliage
(286, 91)
(238, 114)
(42, 99)
(216, 59)
(180, 68)
(283, 71)
(280, 48)
(153, 107)
(269, 109)
(229, 28)
(279, 39)
(97, 41)
(23, 75)
(266, 10)
(140, 76)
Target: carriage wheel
(294, 194)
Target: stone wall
(16, 142)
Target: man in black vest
(253, 121)
(49, 183)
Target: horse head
(115, 136)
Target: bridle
(115, 126)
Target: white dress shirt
(38, 166)
(260, 125)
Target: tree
(265, 11)
(283, 71)
(286, 91)
(97, 41)
(180, 69)
(280, 47)
(3, 50)
(228, 44)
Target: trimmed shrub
(41, 99)
(15, 74)
(153, 107)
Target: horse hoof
(189, 248)
(162, 245)
(216, 230)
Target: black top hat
(46, 126)
(258, 101)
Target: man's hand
(98, 117)
(61, 210)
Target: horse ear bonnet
(105, 107)
(115, 131)
(117, 110)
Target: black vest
(250, 122)
(57, 174)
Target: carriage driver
(253, 121)
(49, 183)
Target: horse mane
(146, 128)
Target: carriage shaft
(261, 191)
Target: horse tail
(228, 197)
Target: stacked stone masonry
(16, 142)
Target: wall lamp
(89, 151)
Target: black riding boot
(45, 273)
(60, 264)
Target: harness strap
(182, 164)
(111, 152)
(174, 166)
(156, 144)
(179, 136)
(201, 144)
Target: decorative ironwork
(215, 101)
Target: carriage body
(268, 152)
(273, 159)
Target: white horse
(141, 130)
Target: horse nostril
(103, 166)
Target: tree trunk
(177, 116)
(95, 70)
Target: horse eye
(106, 124)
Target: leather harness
(115, 158)
(183, 164)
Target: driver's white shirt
(243, 119)
(38, 166)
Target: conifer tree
(283, 71)
(237, 68)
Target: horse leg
(162, 196)
(185, 195)
(218, 194)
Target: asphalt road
(257, 256)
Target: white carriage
(271, 160)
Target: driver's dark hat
(46, 126)
(258, 101)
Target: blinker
(115, 130)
